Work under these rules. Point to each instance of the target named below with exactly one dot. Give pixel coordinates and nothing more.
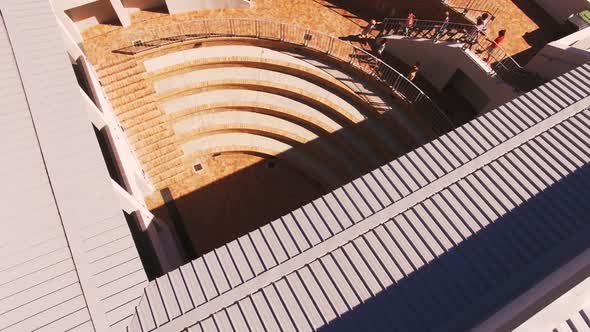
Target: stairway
(133, 100)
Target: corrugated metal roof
(433, 230)
(570, 310)
(38, 280)
(579, 321)
(68, 256)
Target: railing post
(206, 26)
(231, 27)
(418, 97)
(330, 45)
(282, 32)
(306, 37)
(257, 28)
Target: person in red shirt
(495, 44)
(409, 22)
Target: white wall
(183, 6)
(441, 60)
(561, 56)
(561, 9)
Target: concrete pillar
(66, 23)
(71, 37)
(122, 12)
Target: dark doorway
(468, 97)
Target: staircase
(499, 61)
(133, 100)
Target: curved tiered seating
(204, 117)
(261, 57)
(277, 83)
(202, 125)
(304, 92)
(273, 104)
(198, 79)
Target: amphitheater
(260, 165)
(233, 111)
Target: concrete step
(168, 182)
(148, 132)
(164, 150)
(146, 101)
(159, 136)
(160, 160)
(150, 117)
(121, 76)
(131, 96)
(175, 163)
(106, 69)
(133, 113)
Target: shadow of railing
(519, 249)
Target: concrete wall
(136, 5)
(560, 56)
(183, 6)
(91, 14)
(561, 9)
(79, 15)
(440, 61)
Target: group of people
(473, 38)
(479, 33)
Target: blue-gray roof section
(434, 240)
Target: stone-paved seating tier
(280, 83)
(279, 106)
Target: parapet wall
(183, 6)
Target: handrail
(293, 34)
(455, 32)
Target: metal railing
(472, 9)
(497, 58)
(151, 38)
(437, 30)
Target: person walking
(414, 71)
(381, 43)
(495, 44)
(443, 27)
(477, 32)
(366, 33)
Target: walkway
(100, 40)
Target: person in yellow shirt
(414, 71)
